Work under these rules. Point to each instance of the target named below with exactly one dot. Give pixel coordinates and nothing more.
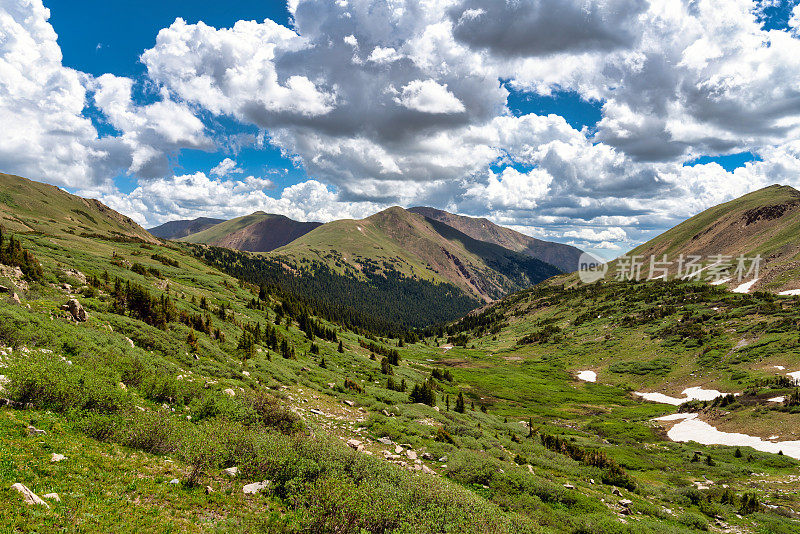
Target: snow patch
(689, 394)
(745, 288)
(587, 376)
(790, 293)
(720, 282)
(693, 429)
(777, 399)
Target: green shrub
(694, 521)
(657, 367)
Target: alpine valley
(415, 371)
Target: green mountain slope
(27, 206)
(418, 248)
(257, 232)
(765, 222)
(565, 257)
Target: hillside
(27, 206)
(419, 248)
(257, 232)
(565, 257)
(192, 401)
(178, 229)
(765, 222)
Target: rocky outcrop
(76, 310)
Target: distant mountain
(257, 232)
(179, 229)
(419, 248)
(765, 222)
(28, 206)
(565, 257)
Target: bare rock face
(28, 496)
(76, 310)
(256, 487)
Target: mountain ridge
(420, 247)
(565, 257)
(40, 207)
(183, 228)
(765, 222)
(256, 232)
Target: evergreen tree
(460, 403)
(423, 393)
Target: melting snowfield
(790, 293)
(691, 428)
(745, 288)
(689, 394)
(587, 376)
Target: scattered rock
(57, 457)
(398, 449)
(52, 497)
(412, 455)
(255, 487)
(28, 496)
(427, 470)
(427, 456)
(33, 431)
(174, 481)
(229, 392)
(246, 373)
(443, 459)
(385, 440)
(625, 502)
(530, 468)
(4, 289)
(305, 369)
(76, 310)
(15, 298)
(569, 486)
(436, 408)
(316, 412)
(231, 471)
(616, 492)
(209, 490)
(349, 403)
(331, 385)
(122, 386)
(354, 443)
(130, 341)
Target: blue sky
(595, 123)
